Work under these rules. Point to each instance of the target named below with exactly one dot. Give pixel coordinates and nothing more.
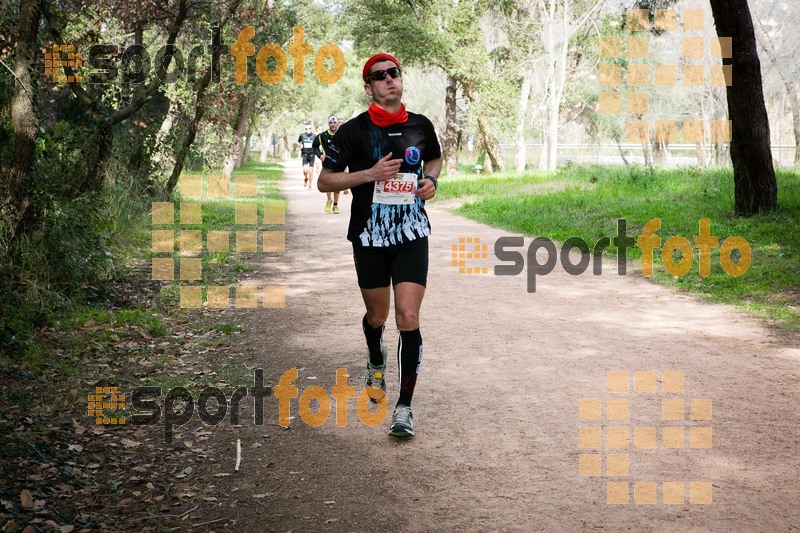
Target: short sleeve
(337, 157)
(432, 149)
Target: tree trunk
(199, 111)
(162, 151)
(545, 146)
(450, 148)
(796, 118)
(15, 199)
(245, 155)
(489, 140)
(262, 137)
(522, 115)
(137, 133)
(270, 134)
(660, 153)
(98, 149)
(791, 89)
(286, 151)
(549, 48)
(239, 124)
(755, 188)
(487, 164)
(191, 133)
(559, 81)
(648, 154)
(719, 154)
(622, 153)
(701, 155)
(492, 146)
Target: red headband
(374, 59)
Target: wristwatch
(434, 180)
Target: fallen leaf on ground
(26, 499)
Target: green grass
(227, 328)
(150, 323)
(219, 214)
(588, 201)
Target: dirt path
(497, 403)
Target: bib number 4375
(398, 186)
(396, 191)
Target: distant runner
(322, 144)
(306, 144)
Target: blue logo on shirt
(412, 155)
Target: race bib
(397, 191)
(308, 144)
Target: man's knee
(407, 319)
(377, 315)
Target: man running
(394, 160)
(306, 144)
(321, 147)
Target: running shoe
(402, 422)
(375, 377)
(336, 209)
(328, 205)
(305, 182)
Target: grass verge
(587, 202)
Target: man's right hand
(385, 169)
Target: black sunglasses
(380, 75)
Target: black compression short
(308, 158)
(375, 266)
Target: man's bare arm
(427, 189)
(433, 167)
(385, 169)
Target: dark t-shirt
(359, 144)
(322, 143)
(306, 140)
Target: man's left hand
(426, 189)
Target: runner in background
(317, 162)
(322, 144)
(306, 144)
(342, 121)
